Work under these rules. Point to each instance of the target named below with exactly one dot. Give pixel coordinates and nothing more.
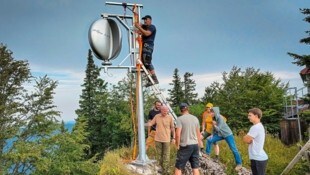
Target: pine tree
(210, 93)
(122, 104)
(304, 60)
(93, 106)
(176, 93)
(189, 89)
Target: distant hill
(69, 125)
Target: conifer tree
(190, 96)
(176, 93)
(304, 60)
(93, 106)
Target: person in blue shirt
(221, 131)
(148, 32)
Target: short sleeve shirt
(163, 127)
(256, 148)
(149, 39)
(189, 124)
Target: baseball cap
(183, 106)
(147, 16)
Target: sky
(203, 37)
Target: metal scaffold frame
(135, 49)
(142, 158)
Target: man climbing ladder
(148, 32)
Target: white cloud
(285, 75)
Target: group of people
(186, 134)
(188, 137)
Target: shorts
(147, 52)
(150, 139)
(258, 167)
(187, 153)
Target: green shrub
(279, 154)
(113, 162)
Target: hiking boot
(148, 84)
(238, 167)
(205, 155)
(154, 77)
(216, 159)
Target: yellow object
(150, 141)
(209, 121)
(224, 118)
(209, 105)
(208, 124)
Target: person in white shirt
(256, 139)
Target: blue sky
(204, 37)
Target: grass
(114, 161)
(279, 157)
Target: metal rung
(158, 93)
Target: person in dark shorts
(148, 32)
(188, 141)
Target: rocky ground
(208, 166)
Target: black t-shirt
(149, 39)
(152, 114)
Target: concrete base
(144, 168)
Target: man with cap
(188, 141)
(148, 32)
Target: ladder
(160, 96)
(304, 151)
